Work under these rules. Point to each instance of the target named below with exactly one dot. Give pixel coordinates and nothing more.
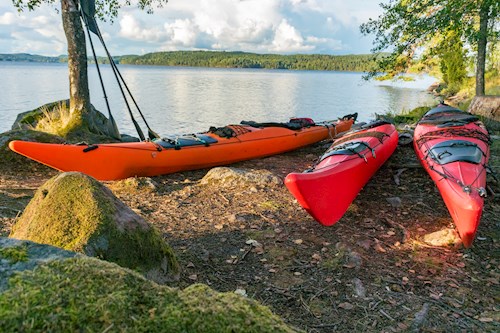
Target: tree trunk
(77, 60)
(481, 48)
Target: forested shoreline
(356, 62)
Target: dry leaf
(316, 256)
(379, 247)
(346, 306)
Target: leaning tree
(80, 107)
(407, 26)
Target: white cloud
(7, 18)
(279, 26)
(288, 39)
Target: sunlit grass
(57, 121)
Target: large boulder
(56, 118)
(76, 212)
(489, 108)
(86, 294)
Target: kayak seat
(290, 125)
(441, 109)
(351, 148)
(453, 118)
(456, 151)
(185, 141)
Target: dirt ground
(369, 272)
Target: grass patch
(270, 205)
(57, 121)
(15, 254)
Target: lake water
(179, 100)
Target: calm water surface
(186, 100)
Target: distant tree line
(25, 57)
(357, 63)
(354, 63)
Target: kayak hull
(327, 191)
(461, 183)
(115, 161)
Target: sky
(260, 26)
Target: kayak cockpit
(456, 151)
(185, 141)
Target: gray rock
(227, 176)
(394, 201)
(445, 237)
(36, 254)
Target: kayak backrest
(290, 125)
(455, 151)
(185, 141)
(447, 116)
(350, 148)
(441, 108)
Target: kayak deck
(115, 161)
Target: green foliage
(25, 57)
(452, 62)
(412, 116)
(406, 116)
(353, 63)
(407, 26)
(253, 60)
(105, 9)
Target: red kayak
(453, 147)
(327, 190)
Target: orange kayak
(221, 146)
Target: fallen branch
(405, 233)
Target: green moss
(141, 249)
(67, 211)
(14, 254)
(270, 205)
(31, 118)
(89, 295)
(336, 261)
(77, 213)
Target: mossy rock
(134, 185)
(89, 295)
(75, 212)
(29, 119)
(55, 118)
(18, 255)
(229, 176)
